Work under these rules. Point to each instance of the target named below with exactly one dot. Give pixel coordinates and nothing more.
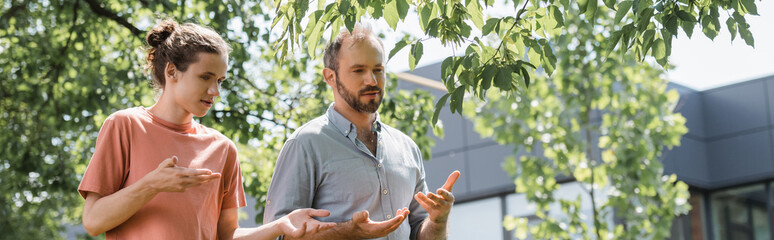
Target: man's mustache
(370, 89)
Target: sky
(699, 63)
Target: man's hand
(168, 177)
(363, 227)
(300, 222)
(439, 204)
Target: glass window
(741, 213)
(480, 219)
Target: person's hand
(300, 222)
(168, 177)
(363, 227)
(439, 204)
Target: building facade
(727, 159)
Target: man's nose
(370, 79)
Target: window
(741, 213)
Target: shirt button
(389, 216)
(379, 165)
(385, 191)
(268, 202)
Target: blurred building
(727, 158)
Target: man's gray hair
(359, 33)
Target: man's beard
(369, 107)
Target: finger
(318, 213)
(426, 203)
(197, 171)
(451, 180)
(299, 232)
(435, 198)
(446, 195)
(169, 162)
(359, 217)
(388, 225)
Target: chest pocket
(349, 179)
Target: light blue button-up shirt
(323, 165)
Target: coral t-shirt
(132, 142)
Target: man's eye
(358, 70)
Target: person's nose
(370, 79)
(214, 90)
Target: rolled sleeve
(293, 183)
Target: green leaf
(659, 49)
(403, 7)
(744, 33)
(489, 26)
(644, 19)
(748, 6)
(671, 24)
(685, 16)
(610, 4)
(549, 59)
(398, 46)
(391, 14)
(416, 54)
(688, 27)
(612, 41)
(424, 16)
(487, 76)
(344, 6)
(623, 9)
(446, 70)
(591, 10)
(455, 103)
(582, 5)
(525, 75)
(474, 10)
(503, 78)
(438, 106)
(731, 23)
(314, 38)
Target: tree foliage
(569, 77)
(603, 121)
(66, 65)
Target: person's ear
(330, 77)
(170, 72)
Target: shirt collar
(346, 127)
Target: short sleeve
(108, 168)
(233, 191)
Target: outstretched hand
(300, 222)
(363, 227)
(439, 204)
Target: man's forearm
(340, 231)
(430, 230)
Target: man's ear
(170, 72)
(330, 77)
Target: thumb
(359, 217)
(169, 162)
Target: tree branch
(515, 22)
(99, 10)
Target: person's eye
(378, 70)
(205, 77)
(358, 70)
(220, 81)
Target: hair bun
(160, 33)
